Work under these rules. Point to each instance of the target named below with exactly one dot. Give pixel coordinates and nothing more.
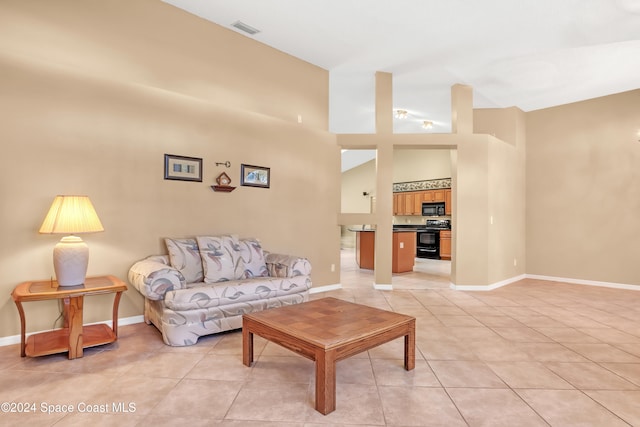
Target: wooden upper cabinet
(398, 200)
(433, 196)
(417, 203)
(408, 203)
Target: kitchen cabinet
(407, 203)
(399, 204)
(445, 244)
(417, 202)
(365, 249)
(410, 202)
(404, 250)
(396, 198)
(433, 196)
(447, 201)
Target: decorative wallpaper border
(430, 184)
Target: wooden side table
(73, 336)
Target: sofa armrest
(282, 265)
(153, 277)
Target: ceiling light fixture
(401, 114)
(427, 124)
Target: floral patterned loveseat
(205, 284)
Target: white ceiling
(531, 54)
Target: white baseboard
(487, 287)
(15, 339)
(382, 287)
(585, 282)
(548, 278)
(325, 288)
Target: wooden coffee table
(326, 331)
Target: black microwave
(433, 209)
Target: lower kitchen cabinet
(445, 244)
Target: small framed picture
(255, 176)
(182, 168)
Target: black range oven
(428, 238)
(428, 244)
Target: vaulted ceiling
(531, 54)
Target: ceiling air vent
(244, 27)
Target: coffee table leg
(410, 347)
(247, 345)
(325, 381)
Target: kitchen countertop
(395, 230)
(402, 228)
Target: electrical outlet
(401, 245)
(299, 118)
(333, 268)
(515, 262)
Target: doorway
(415, 165)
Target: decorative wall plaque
(223, 186)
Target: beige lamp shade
(71, 215)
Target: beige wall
(95, 93)
(419, 165)
(506, 203)
(583, 190)
(354, 182)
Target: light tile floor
(533, 353)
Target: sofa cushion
(184, 256)
(282, 265)
(253, 259)
(202, 295)
(221, 258)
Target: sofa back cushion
(221, 258)
(253, 259)
(184, 256)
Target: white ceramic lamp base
(70, 261)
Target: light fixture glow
(401, 114)
(71, 215)
(427, 124)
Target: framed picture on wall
(255, 176)
(182, 168)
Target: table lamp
(71, 215)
